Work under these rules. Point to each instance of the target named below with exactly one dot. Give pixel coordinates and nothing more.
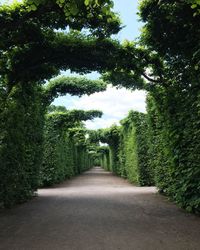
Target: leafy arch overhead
(35, 46)
(40, 38)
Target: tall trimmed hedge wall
(58, 162)
(63, 158)
(105, 158)
(171, 31)
(128, 150)
(21, 126)
(136, 149)
(161, 147)
(174, 146)
(66, 152)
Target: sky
(115, 103)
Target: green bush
(104, 157)
(66, 152)
(34, 50)
(21, 144)
(129, 156)
(175, 151)
(136, 149)
(129, 149)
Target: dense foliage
(21, 141)
(111, 136)
(135, 149)
(104, 156)
(66, 151)
(22, 121)
(175, 146)
(35, 46)
(128, 149)
(170, 37)
(172, 31)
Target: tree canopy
(71, 85)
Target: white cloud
(115, 104)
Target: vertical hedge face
(21, 140)
(65, 152)
(129, 151)
(114, 143)
(159, 150)
(106, 161)
(173, 105)
(145, 171)
(175, 128)
(104, 156)
(111, 136)
(136, 149)
(58, 162)
(131, 155)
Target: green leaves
(175, 146)
(194, 6)
(87, 2)
(67, 119)
(128, 149)
(174, 132)
(71, 85)
(33, 51)
(66, 151)
(32, 7)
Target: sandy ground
(98, 211)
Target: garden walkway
(98, 211)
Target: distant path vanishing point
(98, 211)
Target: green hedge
(175, 135)
(31, 54)
(58, 162)
(65, 153)
(135, 149)
(128, 149)
(111, 136)
(104, 157)
(63, 159)
(21, 144)
(171, 32)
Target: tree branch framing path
(98, 211)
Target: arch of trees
(39, 38)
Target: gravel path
(98, 211)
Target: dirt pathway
(98, 211)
